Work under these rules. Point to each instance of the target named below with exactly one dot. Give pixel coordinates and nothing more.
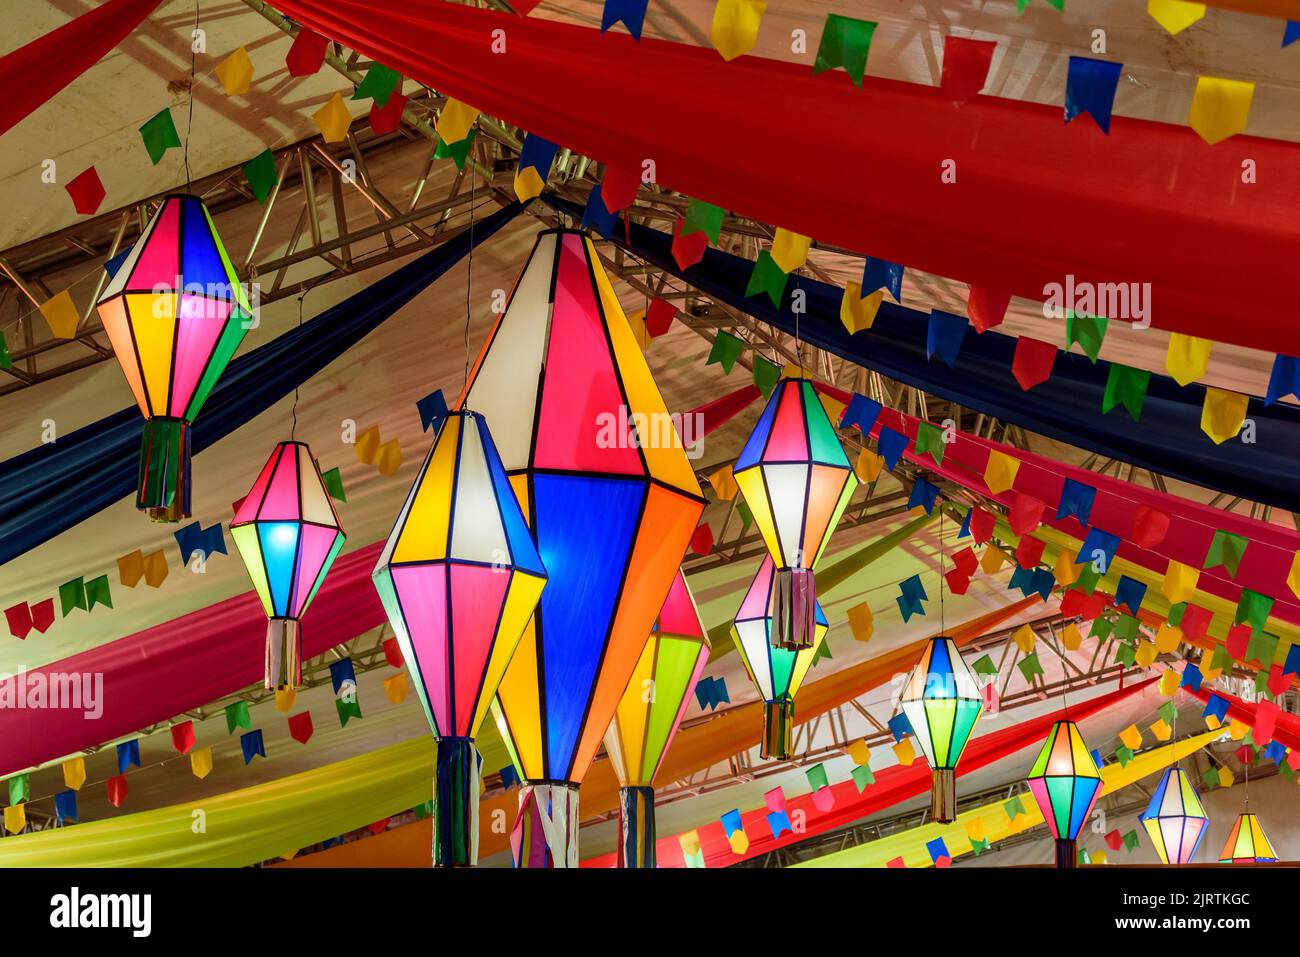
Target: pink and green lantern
(288, 534)
(1066, 783)
(174, 313)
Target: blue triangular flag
(1098, 545)
(923, 494)
(1216, 707)
(596, 216)
(1129, 594)
(909, 608)
(1090, 88)
(965, 525)
(433, 409)
(111, 266)
(1192, 677)
(1284, 379)
(509, 776)
(882, 274)
(128, 753)
(252, 745)
(861, 412)
(631, 12)
(944, 336)
(537, 153)
(912, 589)
(899, 726)
(1291, 32)
(1022, 580)
(341, 671)
(891, 445)
(1043, 583)
(65, 806)
(1076, 500)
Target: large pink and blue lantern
(1066, 783)
(288, 534)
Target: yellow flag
(1071, 638)
(1293, 578)
(856, 312)
(366, 445)
(15, 818)
(1131, 737)
(61, 314)
(690, 842)
(1238, 729)
(1000, 473)
(1099, 857)
(1145, 655)
(130, 568)
(975, 829)
(735, 26)
(74, 773)
(395, 687)
(636, 322)
(389, 458)
(235, 73)
(1187, 357)
(528, 184)
(1168, 638)
(1212, 722)
(1226, 780)
(1175, 15)
(1169, 683)
(201, 762)
(738, 840)
(870, 465)
(1025, 639)
(455, 121)
(1066, 572)
(724, 483)
(155, 568)
(1220, 108)
(1208, 671)
(992, 559)
(333, 120)
(1180, 582)
(834, 407)
(789, 250)
(1223, 414)
(905, 752)
(859, 752)
(860, 622)
(285, 698)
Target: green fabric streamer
(766, 374)
(72, 595)
(1226, 549)
(1128, 387)
(929, 438)
(726, 350)
(1088, 579)
(1102, 628)
(702, 216)
(98, 593)
(845, 42)
(1088, 331)
(767, 277)
(378, 84)
(1021, 4)
(159, 135)
(261, 175)
(237, 716)
(746, 516)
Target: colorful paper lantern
(777, 673)
(288, 535)
(1247, 843)
(459, 577)
(612, 501)
(1065, 782)
(1175, 819)
(174, 313)
(942, 702)
(648, 715)
(797, 481)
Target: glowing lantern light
(175, 313)
(459, 577)
(1065, 783)
(942, 702)
(1247, 843)
(777, 673)
(1175, 819)
(612, 502)
(288, 535)
(648, 716)
(797, 481)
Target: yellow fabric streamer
(992, 817)
(1175, 15)
(735, 26)
(1187, 357)
(1168, 637)
(790, 250)
(1145, 654)
(1000, 473)
(856, 312)
(1223, 414)
(1066, 572)
(859, 752)
(1220, 108)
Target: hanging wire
(189, 125)
(293, 429)
(943, 630)
(469, 272)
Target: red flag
(659, 317)
(965, 67)
(981, 525)
(1238, 639)
(1114, 840)
(1033, 362)
(386, 118)
(618, 187)
(702, 540)
(1026, 513)
(117, 790)
(379, 827)
(1266, 713)
(1277, 681)
(689, 249)
(19, 618)
(1150, 526)
(1078, 602)
(986, 308)
(300, 727)
(183, 736)
(1194, 622)
(966, 561)
(43, 615)
(1029, 552)
(958, 582)
(306, 54)
(87, 191)
(393, 653)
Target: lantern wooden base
(943, 795)
(283, 654)
(778, 729)
(636, 827)
(1067, 855)
(794, 609)
(455, 803)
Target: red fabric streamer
(1029, 552)
(720, 411)
(966, 561)
(35, 73)
(1285, 726)
(702, 540)
(1017, 164)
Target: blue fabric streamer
(537, 153)
(731, 822)
(1284, 380)
(509, 777)
(965, 525)
(1090, 88)
(1216, 707)
(51, 488)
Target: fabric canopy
(36, 72)
(1067, 407)
(51, 488)
(1034, 199)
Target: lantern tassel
(546, 831)
(943, 795)
(163, 489)
(794, 616)
(778, 729)
(283, 654)
(455, 803)
(636, 827)
(1067, 855)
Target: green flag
(845, 42)
(159, 135)
(1221, 661)
(817, 777)
(1123, 754)
(333, 482)
(1262, 648)
(746, 516)
(6, 360)
(1176, 613)
(929, 438)
(260, 173)
(767, 277)
(348, 707)
(1087, 331)
(726, 350)
(72, 595)
(456, 151)
(766, 374)
(20, 789)
(862, 776)
(97, 593)
(1226, 549)
(1126, 386)
(1127, 627)
(1168, 713)
(1131, 838)
(237, 716)
(1125, 655)
(1013, 807)
(1029, 666)
(1211, 778)
(1254, 608)
(984, 666)
(378, 84)
(702, 216)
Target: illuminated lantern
(942, 702)
(459, 577)
(777, 673)
(1065, 783)
(796, 480)
(288, 535)
(174, 313)
(1247, 843)
(1175, 819)
(611, 500)
(648, 716)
